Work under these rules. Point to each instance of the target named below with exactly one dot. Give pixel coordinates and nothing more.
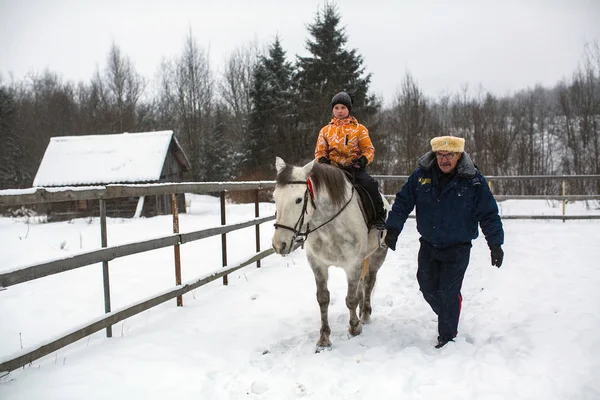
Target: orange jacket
(344, 140)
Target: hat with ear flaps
(343, 98)
(448, 143)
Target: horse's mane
(324, 176)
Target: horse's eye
(299, 200)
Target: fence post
(223, 237)
(564, 193)
(105, 276)
(176, 250)
(257, 227)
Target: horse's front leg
(321, 276)
(353, 298)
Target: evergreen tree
(11, 147)
(330, 68)
(272, 118)
(218, 155)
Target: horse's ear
(308, 167)
(279, 164)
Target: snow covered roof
(104, 159)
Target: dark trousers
(440, 275)
(365, 180)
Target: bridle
(309, 194)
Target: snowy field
(529, 330)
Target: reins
(297, 229)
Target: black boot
(379, 221)
(442, 342)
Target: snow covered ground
(528, 330)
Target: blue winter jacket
(450, 217)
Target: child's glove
(360, 162)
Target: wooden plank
(21, 275)
(543, 177)
(569, 197)
(14, 361)
(42, 195)
(12, 197)
(105, 271)
(191, 236)
(507, 178)
(115, 191)
(551, 217)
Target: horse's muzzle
(282, 248)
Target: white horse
(317, 203)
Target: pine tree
(218, 156)
(272, 118)
(330, 68)
(12, 172)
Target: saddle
(367, 205)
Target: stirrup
(380, 242)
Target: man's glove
(391, 237)
(497, 255)
(360, 162)
(324, 160)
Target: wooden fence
(109, 253)
(563, 196)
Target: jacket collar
(350, 120)
(465, 167)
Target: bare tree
(236, 84)
(186, 98)
(409, 122)
(124, 88)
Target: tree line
(264, 104)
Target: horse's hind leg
(368, 284)
(367, 288)
(321, 275)
(352, 300)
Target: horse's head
(294, 204)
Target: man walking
(451, 197)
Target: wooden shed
(88, 160)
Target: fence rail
(509, 177)
(15, 197)
(25, 274)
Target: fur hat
(448, 143)
(343, 98)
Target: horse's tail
(365, 269)
(361, 283)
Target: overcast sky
(502, 45)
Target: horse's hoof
(321, 349)
(355, 330)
